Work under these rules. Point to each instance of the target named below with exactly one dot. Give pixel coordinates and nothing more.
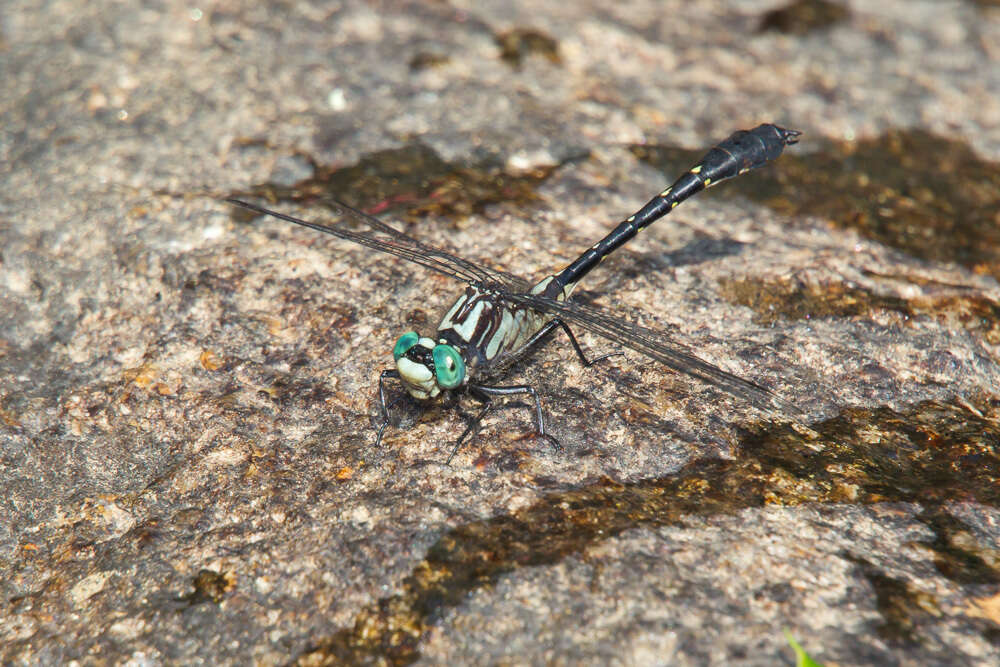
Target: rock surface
(187, 397)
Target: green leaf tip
(802, 658)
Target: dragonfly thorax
(427, 367)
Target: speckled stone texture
(187, 397)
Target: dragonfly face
(425, 367)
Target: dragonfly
(501, 318)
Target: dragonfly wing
(394, 242)
(660, 346)
(484, 274)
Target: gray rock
(187, 397)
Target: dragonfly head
(425, 367)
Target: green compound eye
(405, 342)
(448, 366)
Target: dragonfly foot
(556, 445)
(603, 357)
(381, 430)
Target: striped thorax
(478, 331)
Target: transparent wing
(657, 345)
(397, 243)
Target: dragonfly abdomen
(741, 152)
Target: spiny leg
(383, 408)
(579, 350)
(519, 389)
(473, 426)
(549, 326)
(484, 393)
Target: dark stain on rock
(773, 300)
(428, 60)
(931, 454)
(286, 390)
(413, 181)
(931, 197)
(209, 586)
(519, 43)
(804, 16)
(958, 555)
(901, 605)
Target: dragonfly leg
(382, 407)
(579, 350)
(549, 326)
(473, 426)
(519, 389)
